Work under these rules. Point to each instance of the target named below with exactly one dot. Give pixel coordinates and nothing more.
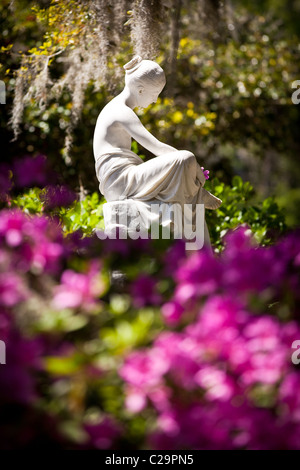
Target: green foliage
(130, 330)
(289, 202)
(29, 201)
(239, 206)
(85, 215)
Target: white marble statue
(172, 176)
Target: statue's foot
(210, 201)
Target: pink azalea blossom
(205, 172)
(78, 289)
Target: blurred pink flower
(58, 196)
(32, 171)
(17, 378)
(135, 400)
(102, 435)
(143, 291)
(79, 289)
(12, 289)
(172, 312)
(145, 368)
(39, 242)
(289, 396)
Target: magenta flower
(58, 196)
(12, 289)
(136, 400)
(172, 312)
(211, 376)
(79, 289)
(36, 243)
(17, 378)
(102, 435)
(217, 384)
(223, 378)
(145, 368)
(288, 396)
(174, 256)
(143, 291)
(205, 172)
(11, 227)
(32, 171)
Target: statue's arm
(138, 132)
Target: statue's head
(145, 78)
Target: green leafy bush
(240, 206)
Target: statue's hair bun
(133, 64)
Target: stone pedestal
(133, 219)
(131, 216)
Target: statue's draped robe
(171, 178)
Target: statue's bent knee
(187, 158)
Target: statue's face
(147, 95)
